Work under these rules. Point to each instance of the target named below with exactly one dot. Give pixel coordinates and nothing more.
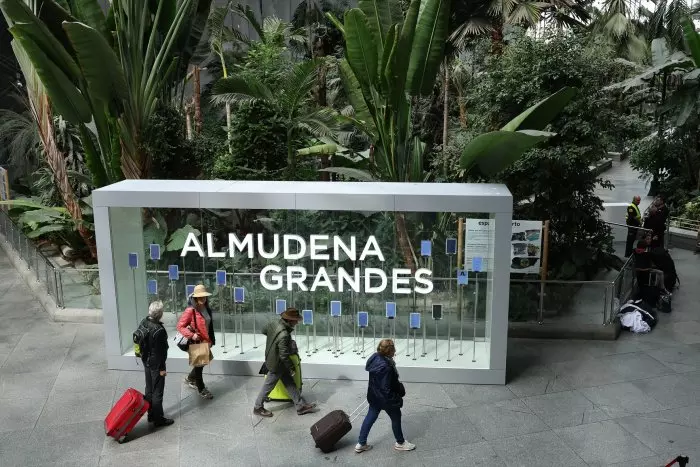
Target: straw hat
(291, 314)
(200, 291)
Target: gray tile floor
(635, 401)
(631, 402)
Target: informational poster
(525, 241)
(478, 243)
(4, 187)
(526, 247)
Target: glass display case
(360, 261)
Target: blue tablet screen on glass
(335, 308)
(153, 287)
(451, 246)
(414, 321)
(477, 264)
(426, 247)
(155, 251)
(362, 319)
(280, 306)
(173, 272)
(189, 290)
(462, 277)
(307, 317)
(239, 294)
(133, 260)
(391, 310)
(221, 278)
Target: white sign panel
(478, 243)
(4, 187)
(525, 245)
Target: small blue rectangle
(426, 247)
(336, 309)
(462, 277)
(152, 287)
(477, 263)
(221, 278)
(362, 319)
(307, 317)
(280, 306)
(173, 272)
(239, 295)
(451, 246)
(155, 251)
(414, 321)
(390, 310)
(133, 260)
(189, 290)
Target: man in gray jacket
(278, 365)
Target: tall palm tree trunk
(57, 162)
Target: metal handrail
(682, 223)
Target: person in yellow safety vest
(634, 221)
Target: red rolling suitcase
(125, 414)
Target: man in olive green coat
(278, 365)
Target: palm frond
(322, 122)
(298, 85)
(239, 90)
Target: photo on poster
(307, 317)
(280, 306)
(362, 319)
(519, 249)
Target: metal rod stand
(436, 340)
(222, 317)
(308, 344)
(240, 325)
(461, 322)
(476, 307)
(362, 330)
(414, 344)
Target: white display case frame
(321, 196)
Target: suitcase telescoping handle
(358, 411)
(682, 461)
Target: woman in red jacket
(197, 325)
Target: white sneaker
(362, 447)
(406, 446)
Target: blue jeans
(371, 417)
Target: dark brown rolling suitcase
(331, 428)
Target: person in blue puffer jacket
(384, 392)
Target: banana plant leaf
(382, 15)
(541, 114)
(98, 62)
(691, 39)
(495, 151)
(428, 48)
(318, 150)
(66, 98)
(349, 172)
